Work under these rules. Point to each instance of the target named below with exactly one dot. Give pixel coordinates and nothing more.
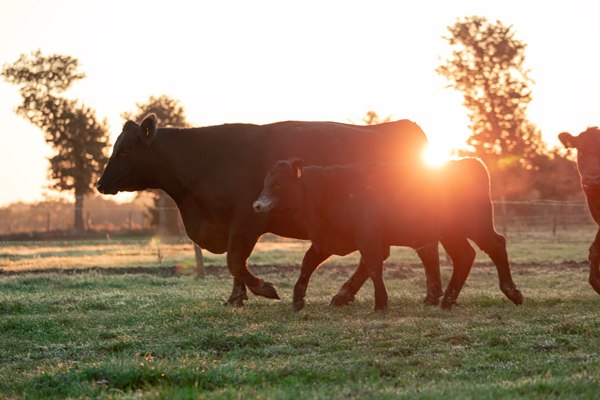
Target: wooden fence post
(199, 262)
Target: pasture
(106, 319)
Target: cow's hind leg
(347, 292)
(463, 255)
(430, 257)
(312, 259)
(594, 258)
(494, 245)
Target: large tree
(72, 129)
(487, 67)
(170, 114)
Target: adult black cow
(214, 174)
(587, 144)
(372, 207)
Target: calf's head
(130, 166)
(282, 190)
(587, 144)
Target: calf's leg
(312, 259)
(372, 254)
(347, 292)
(594, 258)
(429, 255)
(463, 255)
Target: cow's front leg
(238, 294)
(239, 249)
(595, 263)
(312, 259)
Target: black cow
(372, 207)
(587, 144)
(214, 174)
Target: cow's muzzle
(102, 188)
(262, 205)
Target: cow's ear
(297, 166)
(148, 128)
(568, 140)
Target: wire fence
(536, 221)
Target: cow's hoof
(234, 302)
(431, 301)
(265, 289)
(513, 295)
(298, 305)
(237, 298)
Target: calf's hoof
(265, 289)
(447, 304)
(298, 305)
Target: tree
(171, 114)
(71, 128)
(372, 118)
(487, 66)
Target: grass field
(162, 334)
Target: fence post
(129, 220)
(555, 222)
(48, 221)
(143, 222)
(199, 262)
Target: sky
(267, 61)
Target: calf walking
(372, 207)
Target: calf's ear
(297, 166)
(148, 128)
(568, 140)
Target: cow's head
(281, 191)
(132, 161)
(587, 144)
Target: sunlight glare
(435, 156)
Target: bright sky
(266, 61)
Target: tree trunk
(79, 211)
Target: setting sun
(436, 155)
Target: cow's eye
(278, 184)
(580, 153)
(125, 151)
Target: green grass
(133, 336)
